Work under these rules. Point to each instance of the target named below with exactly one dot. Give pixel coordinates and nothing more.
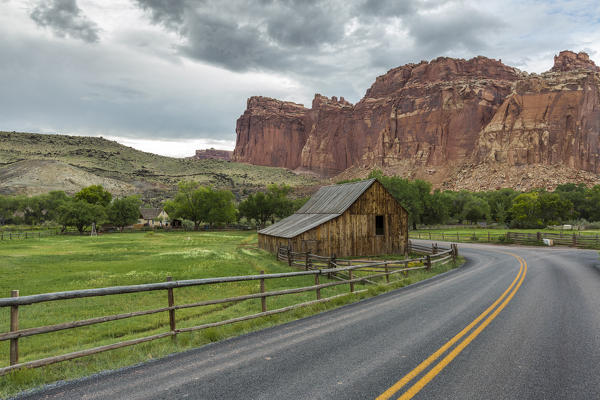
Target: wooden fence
(319, 266)
(19, 235)
(536, 238)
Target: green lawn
(60, 263)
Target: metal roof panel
(328, 203)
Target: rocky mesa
(450, 121)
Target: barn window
(379, 225)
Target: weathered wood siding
(353, 232)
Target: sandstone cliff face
(271, 132)
(550, 119)
(448, 121)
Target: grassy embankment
(67, 263)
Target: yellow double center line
(420, 384)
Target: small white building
(153, 217)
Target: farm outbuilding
(353, 219)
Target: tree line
(193, 202)
(534, 209)
(206, 205)
(91, 205)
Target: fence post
(263, 299)
(171, 300)
(429, 235)
(289, 255)
(574, 240)
(489, 237)
(539, 236)
(443, 236)
(14, 326)
(306, 262)
(428, 262)
(387, 273)
(332, 264)
(318, 289)
(434, 248)
(351, 283)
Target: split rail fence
(564, 239)
(353, 272)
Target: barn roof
(328, 203)
(150, 213)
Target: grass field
(77, 262)
(583, 238)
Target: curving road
(513, 323)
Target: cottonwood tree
(201, 204)
(124, 211)
(262, 207)
(80, 214)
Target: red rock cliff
(271, 132)
(439, 120)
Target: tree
(80, 214)
(476, 209)
(437, 210)
(189, 203)
(525, 211)
(500, 202)
(124, 211)
(94, 194)
(278, 196)
(257, 207)
(553, 209)
(8, 206)
(221, 208)
(262, 207)
(202, 204)
(52, 202)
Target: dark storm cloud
(244, 35)
(387, 8)
(313, 37)
(168, 12)
(65, 18)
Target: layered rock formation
(213, 154)
(441, 120)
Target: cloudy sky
(170, 76)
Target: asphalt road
(540, 339)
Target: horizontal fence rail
(345, 271)
(579, 239)
(21, 235)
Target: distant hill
(33, 163)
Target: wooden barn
(352, 219)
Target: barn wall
(353, 232)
